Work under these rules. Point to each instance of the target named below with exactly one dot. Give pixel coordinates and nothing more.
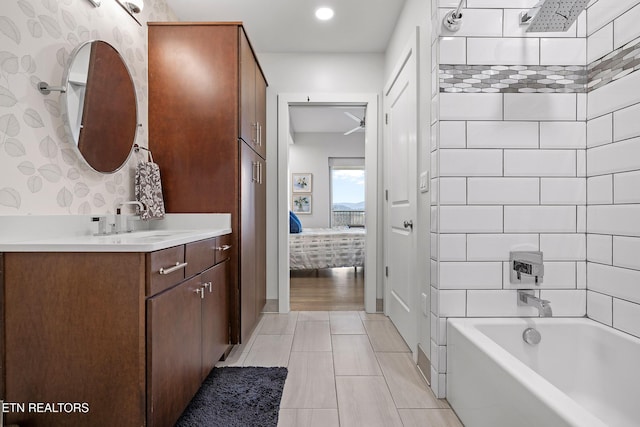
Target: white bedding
(326, 248)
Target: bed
(316, 248)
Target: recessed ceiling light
(324, 13)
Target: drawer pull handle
(170, 270)
(223, 248)
(200, 291)
(208, 286)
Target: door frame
(372, 271)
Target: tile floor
(346, 368)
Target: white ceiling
(324, 119)
(290, 26)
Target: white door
(401, 121)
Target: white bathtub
(582, 374)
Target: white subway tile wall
(600, 248)
(554, 51)
(603, 12)
(556, 172)
(512, 51)
(500, 191)
(600, 307)
(614, 96)
(561, 163)
(625, 252)
(453, 50)
(487, 303)
(625, 28)
(626, 187)
(626, 122)
(600, 43)
(498, 134)
(452, 134)
(571, 135)
(600, 131)
(600, 190)
(540, 106)
(496, 247)
(625, 316)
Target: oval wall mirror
(100, 99)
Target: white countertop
(76, 234)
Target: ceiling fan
(357, 119)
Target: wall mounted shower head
(452, 20)
(552, 15)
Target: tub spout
(527, 298)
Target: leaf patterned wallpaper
(40, 171)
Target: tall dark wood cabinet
(207, 130)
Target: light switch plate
(424, 182)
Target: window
(347, 191)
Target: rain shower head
(552, 15)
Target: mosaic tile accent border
(541, 79)
(513, 79)
(617, 64)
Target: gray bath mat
(242, 397)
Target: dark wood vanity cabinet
(207, 118)
(111, 331)
(187, 332)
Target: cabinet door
(215, 323)
(248, 124)
(193, 115)
(174, 351)
(261, 112)
(247, 253)
(73, 329)
(261, 237)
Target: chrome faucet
(527, 298)
(118, 220)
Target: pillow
(295, 226)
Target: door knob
(408, 224)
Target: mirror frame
(65, 105)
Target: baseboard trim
(271, 306)
(424, 364)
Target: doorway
(327, 168)
(370, 271)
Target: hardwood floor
(331, 289)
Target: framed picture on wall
(301, 203)
(301, 182)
